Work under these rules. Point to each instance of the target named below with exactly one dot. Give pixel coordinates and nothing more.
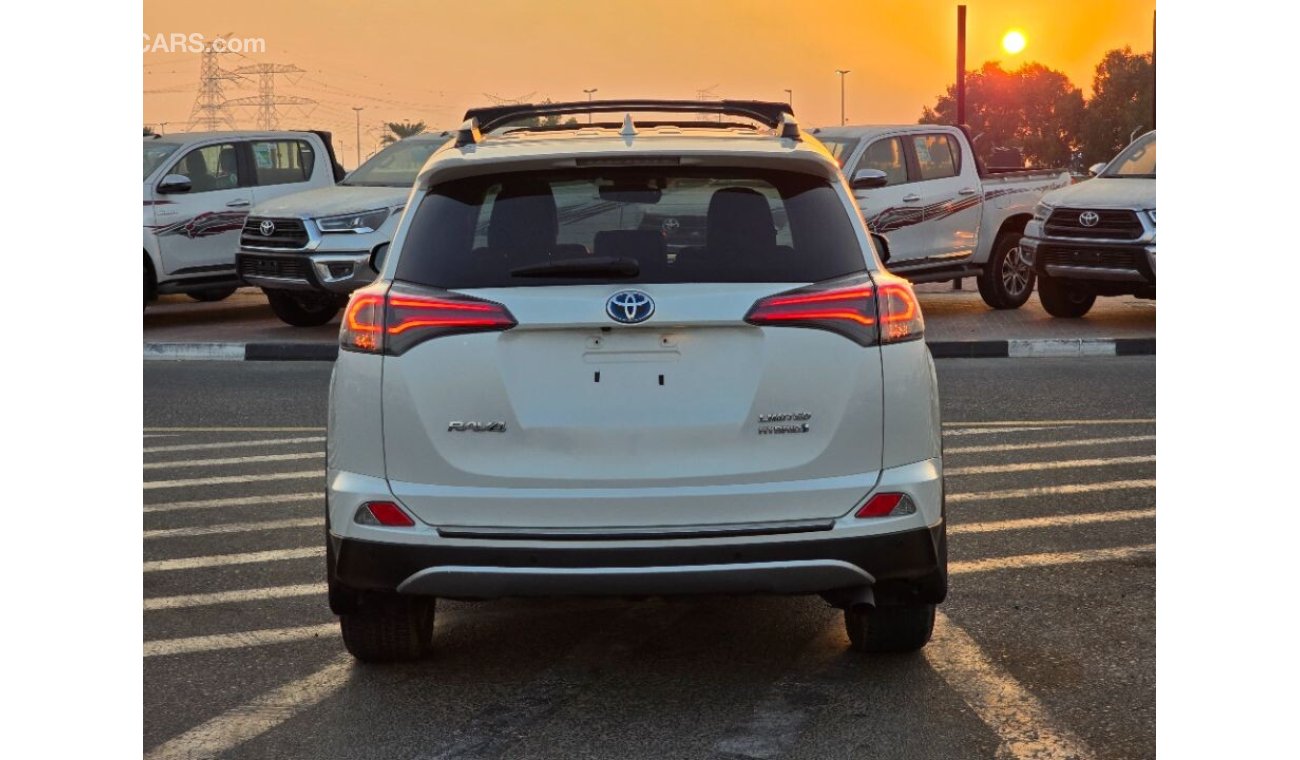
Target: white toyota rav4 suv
(550, 389)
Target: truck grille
(1111, 224)
(1108, 258)
(289, 234)
(259, 266)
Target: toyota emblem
(630, 307)
(267, 228)
(1089, 219)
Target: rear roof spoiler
(768, 113)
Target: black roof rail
(769, 113)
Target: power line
(267, 102)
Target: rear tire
(1062, 299)
(150, 283)
(1007, 280)
(302, 309)
(389, 628)
(901, 628)
(211, 295)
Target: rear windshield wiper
(586, 266)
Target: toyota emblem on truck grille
(629, 307)
(267, 228)
(1089, 219)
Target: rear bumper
(908, 565)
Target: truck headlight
(360, 222)
(1042, 211)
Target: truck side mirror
(174, 183)
(1096, 169)
(377, 257)
(866, 179)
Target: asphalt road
(1046, 648)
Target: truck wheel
(1007, 279)
(211, 295)
(301, 309)
(150, 283)
(389, 628)
(901, 628)
(1061, 299)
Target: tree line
(1037, 113)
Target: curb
(956, 349)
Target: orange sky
(402, 59)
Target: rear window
(677, 225)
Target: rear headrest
(740, 219)
(524, 220)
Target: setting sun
(1014, 41)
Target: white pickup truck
(935, 212)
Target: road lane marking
(1047, 559)
(233, 444)
(238, 639)
(212, 530)
(1020, 721)
(249, 721)
(150, 485)
(241, 501)
(1052, 522)
(1064, 464)
(234, 430)
(1046, 444)
(999, 430)
(230, 597)
(1058, 490)
(183, 463)
(221, 560)
(989, 423)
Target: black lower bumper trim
(911, 564)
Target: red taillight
(384, 513)
(887, 505)
(855, 308)
(393, 322)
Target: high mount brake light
(857, 309)
(394, 322)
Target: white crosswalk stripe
(229, 597)
(238, 640)
(998, 430)
(1068, 443)
(1049, 558)
(994, 423)
(1059, 521)
(233, 444)
(1057, 490)
(247, 721)
(221, 560)
(1013, 713)
(183, 463)
(150, 485)
(1067, 464)
(212, 530)
(240, 501)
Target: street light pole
(358, 109)
(842, 72)
(590, 92)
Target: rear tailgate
(698, 418)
